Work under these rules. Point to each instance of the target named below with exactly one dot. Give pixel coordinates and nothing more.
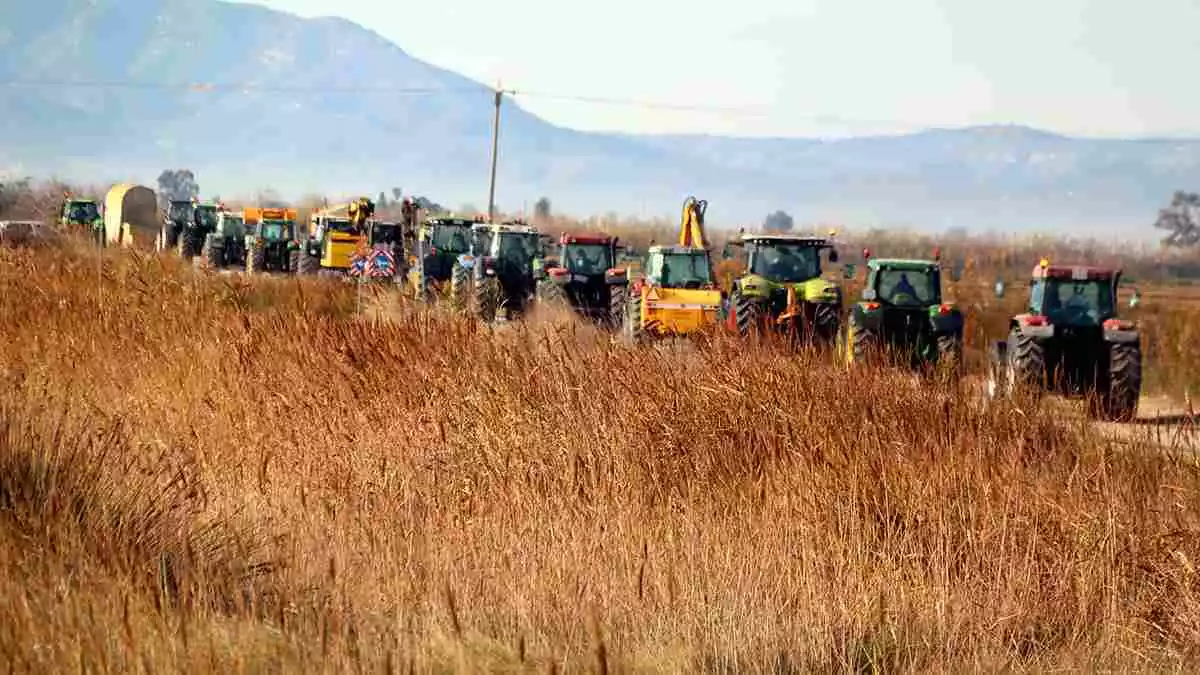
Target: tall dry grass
(206, 474)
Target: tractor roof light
(937, 253)
(1044, 263)
(866, 254)
(945, 308)
(870, 306)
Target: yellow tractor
(334, 239)
(677, 293)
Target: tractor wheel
(256, 258)
(460, 285)
(631, 326)
(616, 306)
(295, 258)
(863, 343)
(550, 294)
(308, 264)
(747, 313)
(825, 323)
(1124, 381)
(189, 245)
(1026, 363)
(212, 253)
(949, 357)
(485, 299)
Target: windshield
(1076, 302)
(517, 249)
(83, 212)
(385, 234)
(180, 210)
(206, 216)
(451, 238)
(680, 270)
(275, 230)
(785, 262)
(587, 258)
(913, 288)
(232, 225)
(482, 240)
(340, 225)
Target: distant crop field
(214, 473)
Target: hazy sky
(817, 67)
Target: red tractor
(1070, 341)
(586, 278)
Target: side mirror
(848, 270)
(999, 288)
(833, 255)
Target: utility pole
(495, 151)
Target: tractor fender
(1026, 324)
(819, 291)
(754, 286)
(616, 277)
(872, 318)
(1120, 330)
(951, 322)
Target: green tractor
(902, 312)
(82, 215)
(225, 246)
(782, 289)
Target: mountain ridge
(1010, 176)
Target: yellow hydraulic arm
(691, 227)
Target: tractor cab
(501, 269)
(1078, 297)
(682, 267)
(77, 213)
(230, 224)
(782, 289)
(785, 259)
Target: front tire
(747, 313)
(1027, 363)
(485, 299)
(460, 285)
(632, 328)
(617, 300)
(256, 258)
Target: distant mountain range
(280, 136)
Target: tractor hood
(813, 290)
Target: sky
(816, 67)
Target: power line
(231, 86)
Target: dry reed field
(206, 473)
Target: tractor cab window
(517, 249)
(679, 270)
(385, 234)
(340, 225)
(451, 238)
(587, 258)
(180, 211)
(785, 262)
(275, 230)
(232, 226)
(913, 288)
(481, 241)
(1077, 302)
(206, 217)
(84, 212)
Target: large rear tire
(864, 344)
(632, 328)
(616, 306)
(552, 295)
(485, 299)
(256, 258)
(460, 285)
(826, 323)
(1027, 363)
(1124, 381)
(747, 313)
(212, 253)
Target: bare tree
(1181, 219)
(541, 210)
(779, 221)
(177, 184)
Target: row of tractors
(1069, 340)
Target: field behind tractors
(216, 474)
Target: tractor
(186, 225)
(271, 244)
(782, 289)
(82, 215)
(334, 240)
(677, 293)
(499, 272)
(440, 242)
(586, 278)
(225, 246)
(902, 312)
(1070, 341)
